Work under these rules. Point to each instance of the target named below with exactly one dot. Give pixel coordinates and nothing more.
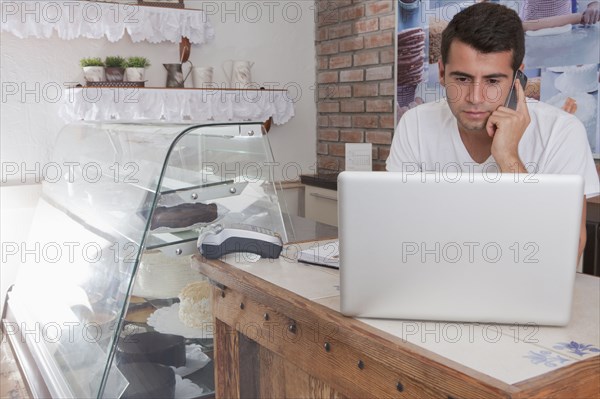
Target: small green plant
(90, 62)
(137, 62)
(115, 61)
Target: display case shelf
(110, 230)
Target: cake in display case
(95, 310)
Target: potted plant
(136, 69)
(115, 68)
(93, 69)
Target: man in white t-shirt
(482, 47)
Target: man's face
(476, 84)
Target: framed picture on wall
(162, 3)
(560, 61)
(117, 1)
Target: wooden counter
(591, 253)
(279, 333)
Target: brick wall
(355, 79)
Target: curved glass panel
(112, 192)
(230, 166)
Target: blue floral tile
(546, 358)
(577, 348)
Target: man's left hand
(591, 15)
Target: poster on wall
(562, 56)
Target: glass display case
(122, 207)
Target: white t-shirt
(555, 142)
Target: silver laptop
(468, 247)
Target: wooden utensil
(184, 49)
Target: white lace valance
(176, 105)
(94, 20)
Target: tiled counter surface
(511, 353)
(507, 353)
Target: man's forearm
(513, 165)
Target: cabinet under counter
(320, 198)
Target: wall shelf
(176, 105)
(95, 20)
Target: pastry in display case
(106, 303)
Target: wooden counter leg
(227, 370)
(237, 364)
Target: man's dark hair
(488, 28)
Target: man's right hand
(506, 127)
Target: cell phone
(511, 100)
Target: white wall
(284, 54)
(277, 36)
